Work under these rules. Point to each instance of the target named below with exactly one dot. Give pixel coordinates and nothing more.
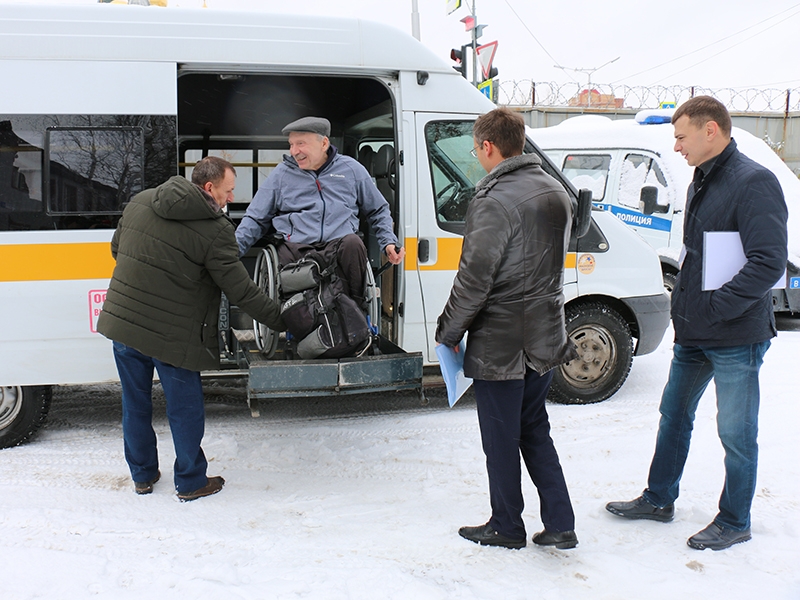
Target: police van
(103, 101)
(634, 173)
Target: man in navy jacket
(723, 333)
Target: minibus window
(243, 160)
(454, 171)
(20, 178)
(252, 162)
(78, 171)
(93, 170)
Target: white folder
(723, 257)
(451, 364)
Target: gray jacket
(508, 289)
(307, 208)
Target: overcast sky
(711, 43)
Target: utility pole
(589, 72)
(474, 47)
(415, 20)
(483, 54)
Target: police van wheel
(22, 411)
(605, 356)
(670, 279)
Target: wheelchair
(267, 278)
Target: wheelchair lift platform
(276, 377)
(272, 373)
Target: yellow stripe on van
(448, 253)
(410, 261)
(56, 262)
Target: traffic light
(460, 56)
(492, 73)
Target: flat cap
(310, 125)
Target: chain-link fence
(526, 92)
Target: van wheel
(22, 411)
(670, 279)
(605, 356)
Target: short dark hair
(504, 128)
(211, 168)
(703, 109)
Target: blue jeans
(513, 420)
(735, 372)
(185, 412)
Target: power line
(589, 72)
(713, 44)
(764, 85)
(536, 39)
(740, 42)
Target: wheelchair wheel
(266, 278)
(372, 296)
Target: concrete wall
(782, 131)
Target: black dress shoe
(146, 487)
(717, 538)
(562, 540)
(641, 509)
(486, 536)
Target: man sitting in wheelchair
(312, 200)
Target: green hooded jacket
(174, 254)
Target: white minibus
(103, 101)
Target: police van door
(630, 184)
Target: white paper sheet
(723, 258)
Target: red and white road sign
(486, 56)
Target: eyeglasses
(474, 151)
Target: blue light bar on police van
(656, 120)
(657, 116)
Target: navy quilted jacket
(740, 195)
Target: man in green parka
(175, 250)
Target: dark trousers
(513, 420)
(185, 412)
(351, 259)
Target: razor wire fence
(526, 92)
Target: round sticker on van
(586, 264)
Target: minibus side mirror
(583, 214)
(648, 201)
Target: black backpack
(323, 321)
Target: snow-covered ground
(362, 498)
